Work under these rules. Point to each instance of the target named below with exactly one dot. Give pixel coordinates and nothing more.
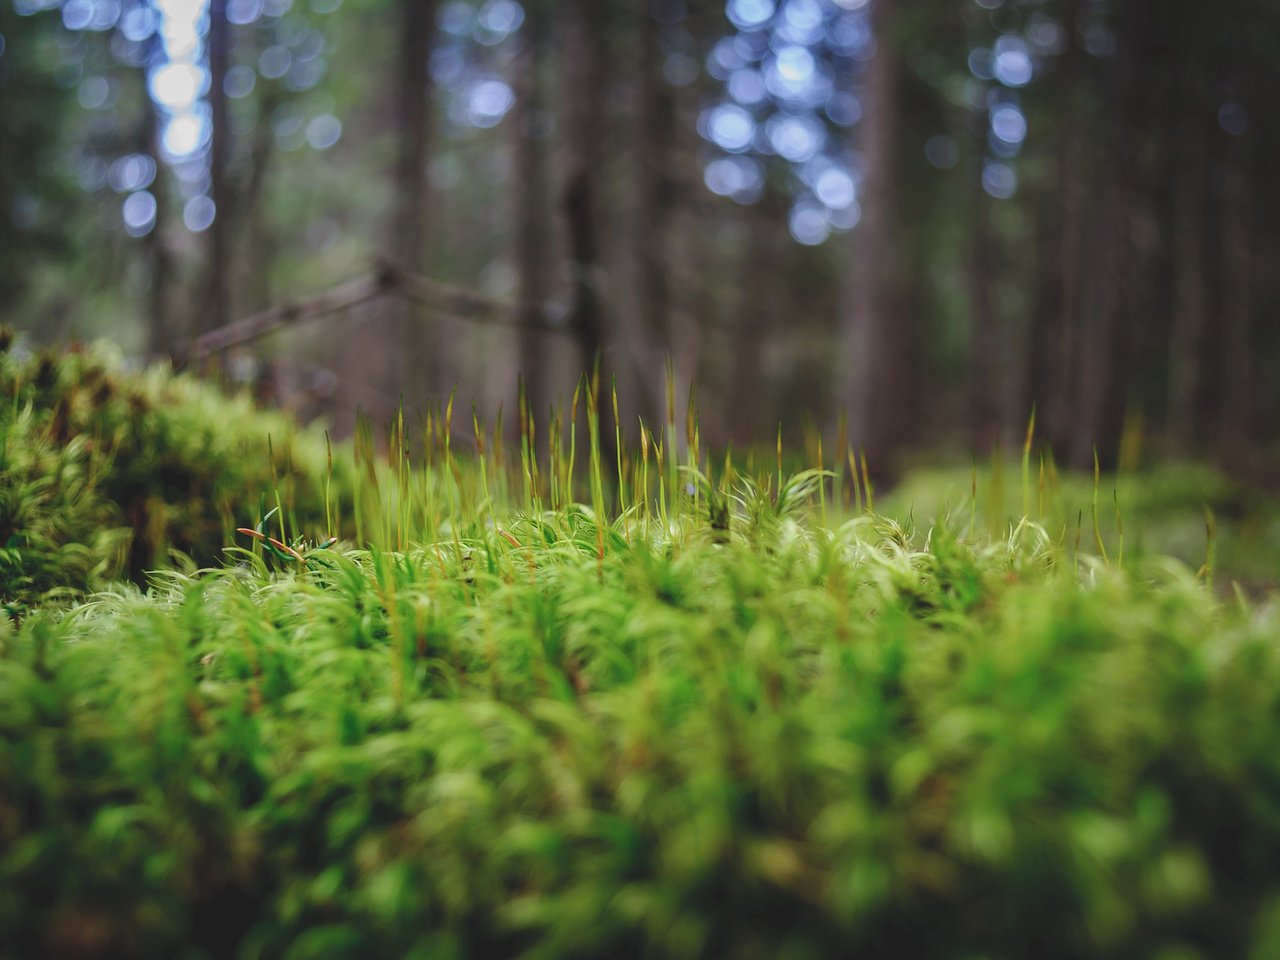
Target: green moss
(790, 742)
(106, 471)
(713, 724)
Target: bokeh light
(324, 131)
(809, 225)
(138, 213)
(786, 75)
(198, 213)
(999, 179)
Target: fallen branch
(387, 279)
(342, 297)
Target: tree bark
(413, 350)
(1190, 296)
(760, 295)
(1098, 414)
(1238, 372)
(876, 374)
(160, 340)
(218, 282)
(584, 89)
(986, 370)
(655, 193)
(532, 230)
(1061, 372)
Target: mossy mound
(787, 742)
(104, 471)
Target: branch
(387, 278)
(342, 297)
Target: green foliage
(697, 718)
(1159, 510)
(89, 448)
(788, 741)
(57, 533)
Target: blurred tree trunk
(876, 373)
(260, 248)
(532, 230)
(218, 280)
(654, 194)
(1060, 374)
(761, 293)
(1098, 414)
(415, 362)
(1238, 373)
(986, 369)
(1187, 336)
(584, 51)
(160, 340)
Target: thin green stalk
(1097, 527)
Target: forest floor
(718, 715)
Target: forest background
(930, 217)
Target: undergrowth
(537, 704)
(106, 471)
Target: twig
(342, 297)
(387, 279)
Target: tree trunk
(414, 359)
(532, 230)
(1098, 417)
(654, 196)
(760, 295)
(584, 89)
(1187, 337)
(1061, 372)
(986, 370)
(160, 340)
(218, 281)
(876, 375)
(1238, 374)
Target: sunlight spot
(77, 14)
(1012, 64)
(139, 213)
(750, 14)
(501, 17)
(274, 62)
(134, 171)
(747, 86)
(183, 134)
(244, 12)
(740, 178)
(239, 81)
(93, 92)
(1008, 123)
(731, 127)
(835, 188)
(808, 225)
(199, 213)
(999, 180)
(456, 18)
(324, 131)
(845, 218)
(844, 109)
(177, 85)
(488, 102)
(138, 24)
(795, 138)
